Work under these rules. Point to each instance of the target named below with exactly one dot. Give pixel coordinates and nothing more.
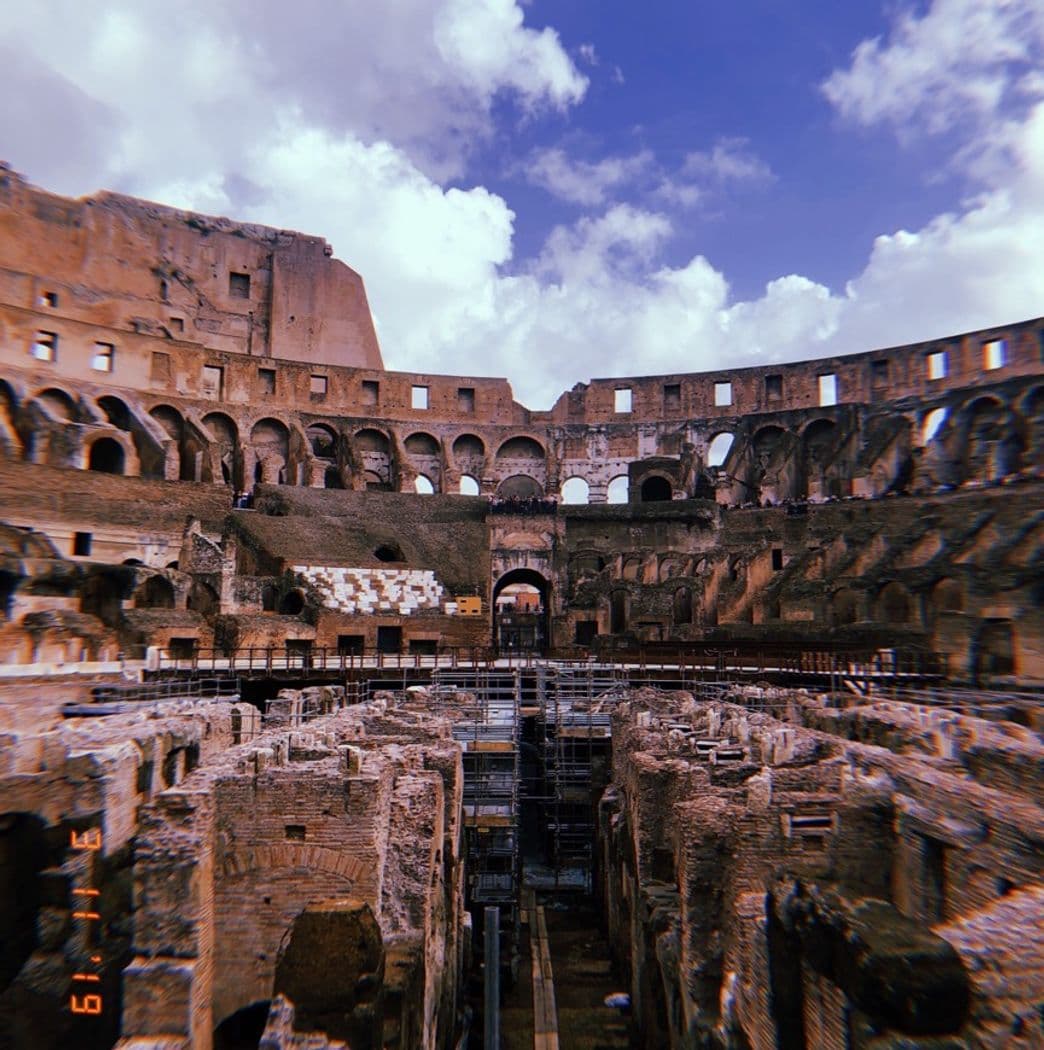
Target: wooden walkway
(545, 1013)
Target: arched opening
(619, 489)
(469, 486)
(156, 593)
(421, 444)
(332, 478)
(270, 440)
(656, 489)
(521, 448)
(682, 612)
(106, 456)
(225, 434)
(469, 449)
(575, 491)
(23, 854)
(931, 424)
(102, 596)
(617, 612)
(422, 485)
(845, 607)
(117, 413)
(389, 552)
(373, 453)
(293, 603)
(174, 427)
(58, 405)
(766, 441)
(243, 1029)
(519, 486)
(322, 440)
(948, 596)
(203, 599)
(895, 604)
(521, 611)
(817, 448)
(994, 650)
(269, 598)
(718, 450)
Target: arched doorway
(656, 489)
(521, 611)
(106, 456)
(243, 1029)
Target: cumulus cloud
(962, 60)
(343, 121)
(583, 182)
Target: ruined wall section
(94, 270)
(770, 885)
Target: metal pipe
(491, 1011)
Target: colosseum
(350, 708)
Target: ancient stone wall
(772, 885)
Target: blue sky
(562, 189)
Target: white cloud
(584, 182)
(963, 60)
(729, 160)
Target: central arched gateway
(521, 611)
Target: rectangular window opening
(827, 390)
(371, 391)
(213, 381)
(777, 559)
(466, 399)
(879, 373)
(239, 285)
(419, 398)
(266, 379)
(317, 385)
(722, 394)
(104, 357)
(82, 543)
(994, 354)
(622, 399)
(672, 396)
(49, 300)
(938, 366)
(349, 645)
(295, 832)
(45, 346)
(182, 648)
(177, 325)
(159, 369)
(774, 387)
(586, 631)
(423, 646)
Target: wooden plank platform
(545, 1013)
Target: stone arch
(895, 604)
(618, 489)
(58, 404)
(423, 485)
(1032, 409)
(421, 443)
(993, 651)
(682, 606)
(520, 486)
(539, 640)
(469, 485)
(765, 442)
(157, 592)
(106, 455)
(332, 478)
(173, 425)
(817, 443)
(322, 440)
(844, 606)
(575, 491)
(373, 454)
(102, 596)
(521, 447)
(292, 603)
(656, 488)
(116, 411)
(948, 596)
(468, 447)
(270, 441)
(932, 424)
(203, 599)
(987, 425)
(225, 434)
(719, 448)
